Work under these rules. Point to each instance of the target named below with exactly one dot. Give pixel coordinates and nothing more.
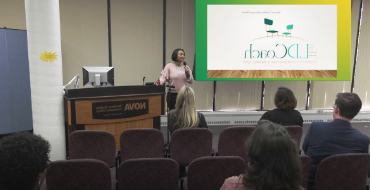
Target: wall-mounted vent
(218, 122)
(208, 122)
(312, 120)
(245, 122)
(362, 119)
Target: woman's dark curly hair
(285, 99)
(274, 163)
(23, 156)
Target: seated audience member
(324, 139)
(185, 114)
(284, 114)
(274, 163)
(24, 158)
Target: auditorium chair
(148, 173)
(187, 145)
(212, 171)
(232, 141)
(343, 172)
(295, 131)
(93, 144)
(306, 166)
(141, 143)
(79, 174)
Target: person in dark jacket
(285, 113)
(324, 139)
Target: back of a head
(186, 111)
(274, 162)
(349, 104)
(23, 156)
(285, 99)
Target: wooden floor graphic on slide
(272, 74)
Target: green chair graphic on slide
(269, 23)
(289, 27)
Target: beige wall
(180, 28)
(238, 95)
(323, 93)
(84, 31)
(137, 40)
(12, 14)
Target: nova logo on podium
(135, 106)
(120, 109)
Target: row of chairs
(185, 145)
(142, 173)
(232, 139)
(339, 172)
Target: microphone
(187, 74)
(143, 80)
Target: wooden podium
(113, 109)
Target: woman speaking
(177, 74)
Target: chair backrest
(306, 166)
(189, 144)
(78, 174)
(268, 21)
(90, 144)
(148, 173)
(141, 143)
(289, 27)
(295, 131)
(343, 172)
(232, 140)
(211, 172)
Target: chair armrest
(167, 151)
(117, 153)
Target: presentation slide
(273, 40)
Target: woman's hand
(187, 72)
(157, 82)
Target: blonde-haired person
(185, 114)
